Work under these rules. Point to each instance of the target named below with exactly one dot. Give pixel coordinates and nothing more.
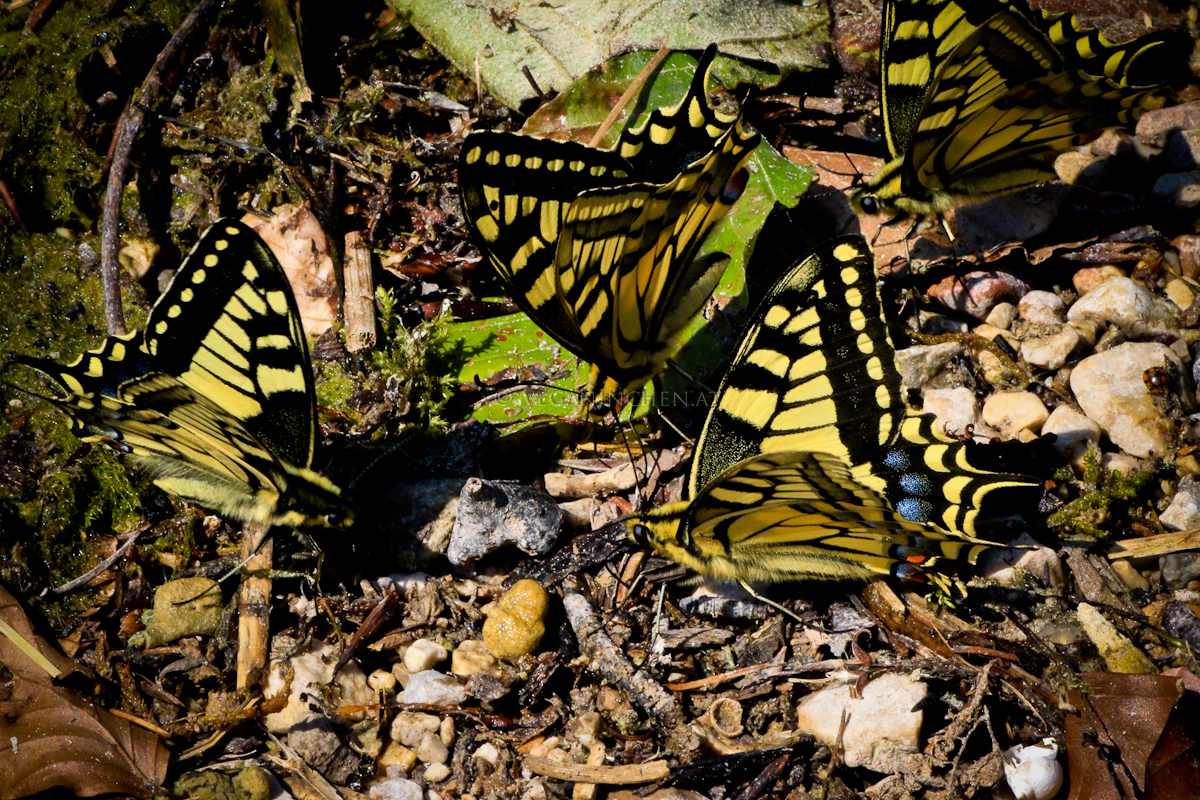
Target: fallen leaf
(57, 738)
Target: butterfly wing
(215, 398)
(793, 516)
(810, 463)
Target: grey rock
(492, 514)
(1180, 569)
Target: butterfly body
(979, 97)
(215, 397)
(810, 464)
(598, 246)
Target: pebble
(1181, 621)
(1113, 143)
(1183, 149)
(1002, 316)
(1120, 462)
(487, 752)
(436, 773)
(1179, 293)
(1088, 330)
(1051, 350)
(1033, 771)
(396, 789)
(1130, 576)
(1188, 246)
(1074, 431)
(434, 688)
(1013, 412)
(1120, 301)
(1155, 127)
(424, 654)
(1086, 279)
(398, 756)
(1182, 188)
(471, 657)
(1081, 169)
(493, 514)
(1179, 569)
(183, 607)
(382, 681)
(410, 727)
(955, 408)
(884, 722)
(312, 674)
(1111, 390)
(516, 622)
(1042, 308)
(977, 293)
(446, 731)
(431, 749)
(1184, 511)
(921, 363)
(1026, 557)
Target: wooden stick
(254, 610)
(358, 303)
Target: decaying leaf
(55, 738)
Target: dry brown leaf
(1109, 742)
(53, 737)
(296, 238)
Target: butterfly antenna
(768, 601)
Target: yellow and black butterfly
(810, 464)
(599, 247)
(214, 398)
(979, 96)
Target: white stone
(1120, 301)
(1033, 771)
(312, 678)
(396, 789)
(1042, 308)
(436, 773)
(1181, 187)
(1026, 556)
(434, 688)
(1120, 462)
(1052, 350)
(1013, 412)
(1088, 278)
(1184, 512)
(955, 408)
(1002, 316)
(472, 656)
(1088, 330)
(882, 722)
(431, 749)
(1111, 390)
(1074, 431)
(424, 654)
(1179, 293)
(446, 731)
(919, 364)
(382, 681)
(487, 752)
(410, 727)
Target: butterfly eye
(640, 533)
(869, 205)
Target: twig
(633, 89)
(127, 131)
(607, 660)
(87, 577)
(254, 608)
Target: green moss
(1101, 498)
(406, 373)
(53, 115)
